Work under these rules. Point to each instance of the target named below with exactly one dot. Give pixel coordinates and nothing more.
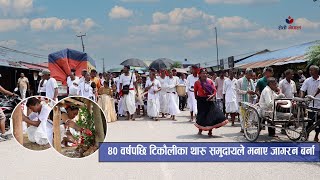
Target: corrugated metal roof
(4, 62)
(293, 51)
(236, 58)
(34, 66)
(273, 62)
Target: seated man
(37, 121)
(266, 102)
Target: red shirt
(199, 90)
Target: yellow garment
(97, 81)
(108, 107)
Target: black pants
(271, 131)
(312, 116)
(182, 102)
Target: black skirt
(209, 115)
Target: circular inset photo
(29, 120)
(76, 126)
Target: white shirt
(219, 84)
(156, 86)
(43, 88)
(42, 115)
(230, 90)
(51, 85)
(171, 84)
(85, 89)
(183, 82)
(310, 86)
(190, 82)
(288, 88)
(70, 82)
(267, 99)
(125, 80)
(81, 80)
(102, 80)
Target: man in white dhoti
(37, 121)
(85, 88)
(153, 87)
(51, 86)
(163, 94)
(83, 73)
(121, 112)
(128, 80)
(192, 102)
(230, 96)
(173, 107)
(72, 77)
(175, 75)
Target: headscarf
(207, 87)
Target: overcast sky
(150, 29)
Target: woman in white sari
(153, 87)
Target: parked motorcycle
(7, 104)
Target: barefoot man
(192, 102)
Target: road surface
(20, 163)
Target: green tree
(176, 65)
(313, 55)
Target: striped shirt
(310, 86)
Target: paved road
(20, 163)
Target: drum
(181, 90)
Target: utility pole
(215, 28)
(81, 36)
(104, 70)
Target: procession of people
(212, 101)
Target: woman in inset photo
(76, 127)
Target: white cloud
(264, 33)
(12, 24)
(48, 23)
(240, 1)
(182, 15)
(41, 24)
(118, 12)
(192, 33)
(84, 26)
(235, 22)
(16, 7)
(305, 23)
(154, 28)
